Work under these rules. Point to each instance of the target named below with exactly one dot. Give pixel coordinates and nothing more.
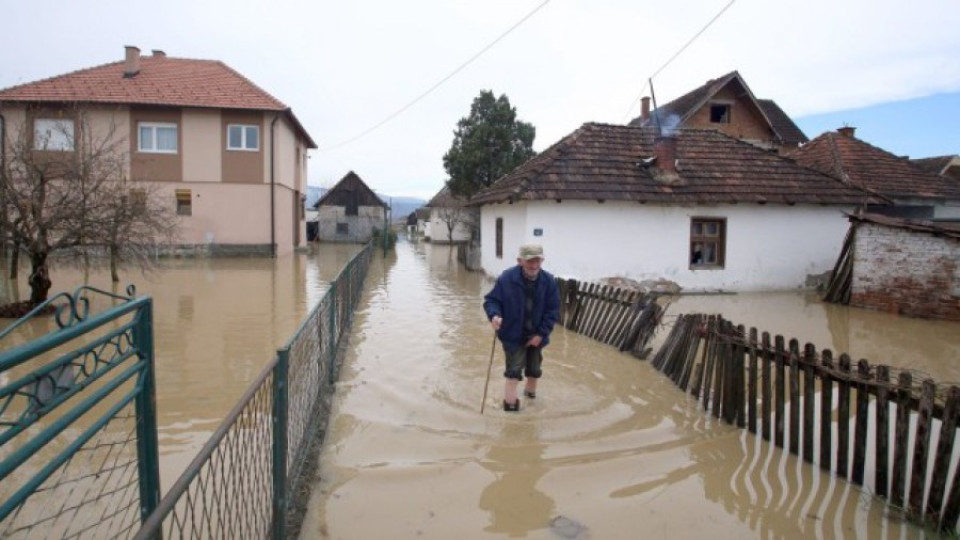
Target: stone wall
(908, 272)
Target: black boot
(511, 407)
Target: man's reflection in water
(515, 504)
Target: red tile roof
(161, 81)
(866, 166)
(612, 162)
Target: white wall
(438, 227)
(768, 247)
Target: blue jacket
(507, 300)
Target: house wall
(767, 248)
(746, 121)
(439, 232)
(907, 272)
(359, 227)
(223, 212)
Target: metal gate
(78, 433)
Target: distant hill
(401, 206)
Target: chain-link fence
(243, 480)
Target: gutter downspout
(273, 232)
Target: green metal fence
(78, 437)
(241, 483)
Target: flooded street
(609, 449)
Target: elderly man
(522, 307)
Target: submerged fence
(242, 482)
(78, 437)
(623, 318)
(820, 409)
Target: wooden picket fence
(792, 396)
(623, 318)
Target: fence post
(331, 369)
(280, 397)
(148, 458)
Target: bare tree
(67, 192)
(451, 216)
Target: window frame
(61, 131)
(343, 228)
(243, 138)
(725, 118)
(703, 238)
(154, 127)
(184, 198)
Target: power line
(675, 55)
(441, 81)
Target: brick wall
(907, 272)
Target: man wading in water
(522, 308)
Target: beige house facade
(227, 156)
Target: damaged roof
(615, 163)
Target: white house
(451, 220)
(699, 208)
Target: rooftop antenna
(656, 110)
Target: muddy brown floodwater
(609, 448)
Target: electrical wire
(674, 57)
(440, 82)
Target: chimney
(847, 131)
(665, 150)
(645, 109)
(158, 53)
(132, 64)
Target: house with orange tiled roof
(699, 208)
(726, 104)
(230, 157)
(914, 192)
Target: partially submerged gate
(78, 434)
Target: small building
(451, 220)
(700, 208)
(904, 266)
(350, 212)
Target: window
(720, 113)
(343, 228)
(499, 237)
(243, 137)
(707, 242)
(158, 138)
(53, 134)
(184, 203)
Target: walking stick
(493, 347)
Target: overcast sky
(346, 66)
